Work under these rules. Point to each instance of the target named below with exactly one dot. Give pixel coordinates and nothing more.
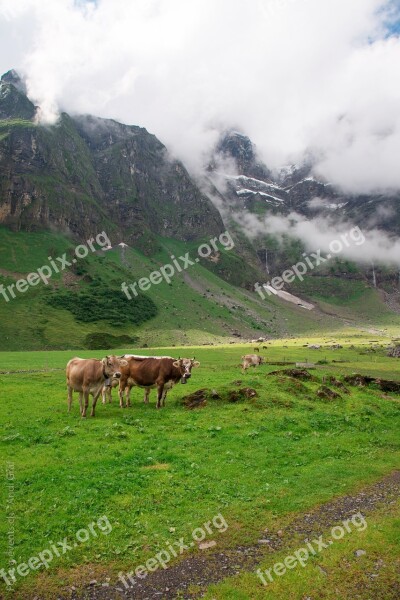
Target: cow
(154, 372)
(88, 375)
(251, 360)
(107, 389)
(256, 349)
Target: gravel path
(211, 567)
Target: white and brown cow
(88, 375)
(154, 372)
(251, 360)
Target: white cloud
(292, 74)
(359, 245)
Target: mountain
(87, 173)
(63, 184)
(242, 178)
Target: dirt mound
(245, 393)
(325, 393)
(357, 380)
(394, 352)
(301, 374)
(385, 385)
(333, 382)
(200, 398)
(196, 400)
(389, 386)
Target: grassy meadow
(157, 475)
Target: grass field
(157, 475)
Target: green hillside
(84, 307)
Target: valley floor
(265, 466)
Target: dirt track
(204, 569)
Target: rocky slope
(84, 174)
(247, 183)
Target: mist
(360, 245)
(295, 75)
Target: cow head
(112, 366)
(185, 366)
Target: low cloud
(295, 75)
(318, 234)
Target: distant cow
(256, 349)
(107, 389)
(154, 372)
(251, 360)
(88, 375)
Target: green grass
(196, 307)
(255, 461)
(334, 573)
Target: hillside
(245, 182)
(64, 184)
(86, 173)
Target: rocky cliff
(85, 173)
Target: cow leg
(95, 396)
(85, 407)
(146, 395)
(69, 398)
(80, 402)
(165, 392)
(122, 386)
(160, 392)
(109, 394)
(104, 391)
(128, 396)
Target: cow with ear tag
(154, 372)
(88, 375)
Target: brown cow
(251, 360)
(88, 375)
(154, 372)
(129, 386)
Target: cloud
(319, 233)
(295, 75)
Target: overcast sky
(295, 75)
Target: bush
(100, 303)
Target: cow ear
(176, 364)
(195, 363)
(123, 363)
(104, 361)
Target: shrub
(100, 303)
